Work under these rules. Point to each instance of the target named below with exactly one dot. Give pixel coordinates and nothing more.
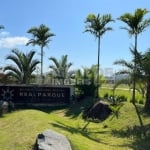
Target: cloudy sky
(66, 19)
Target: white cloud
(4, 34)
(12, 42)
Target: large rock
(50, 140)
(100, 110)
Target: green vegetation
(60, 69)
(23, 68)
(88, 78)
(18, 130)
(122, 90)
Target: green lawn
(18, 130)
(121, 90)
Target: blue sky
(66, 19)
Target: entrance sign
(26, 94)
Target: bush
(141, 101)
(135, 101)
(122, 98)
(106, 95)
(86, 90)
(113, 99)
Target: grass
(121, 90)
(18, 130)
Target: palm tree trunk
(98, 66)
(140, 120)
(42, 63)
(147, 103)
(134, 70)
(134, 86)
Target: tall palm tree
(41, 36)
(60, 69)
(24, 66)
(97, 25)
(136, 24)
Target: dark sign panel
(34, 94)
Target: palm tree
(128, 69)
(24, 66)
(97, 25)
(85, 80)
(41, 36)
(133, 74)
(146, 76)
(135, 25)
(60, 69)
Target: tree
(133, 74)
(24, 66)
(128, 70)
(60, 69)
(146, 77)
(41, 37)
(136, 25)
(85, 81)
(97, 25)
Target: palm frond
(23, 67)
(135, 22)
(124, 63)
(96, 25)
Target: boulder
(3, 107)
(50, 140)
(100, 110)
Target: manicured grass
(122, 90)
(18, 130)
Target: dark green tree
(23, 66)
(97, 25)
(41, 37)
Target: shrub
(135, 101)
(141, 101)
(122, 98)
(106, 95)
(114, 99)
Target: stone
(99, 110)
(51, 140)
(4, 107)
